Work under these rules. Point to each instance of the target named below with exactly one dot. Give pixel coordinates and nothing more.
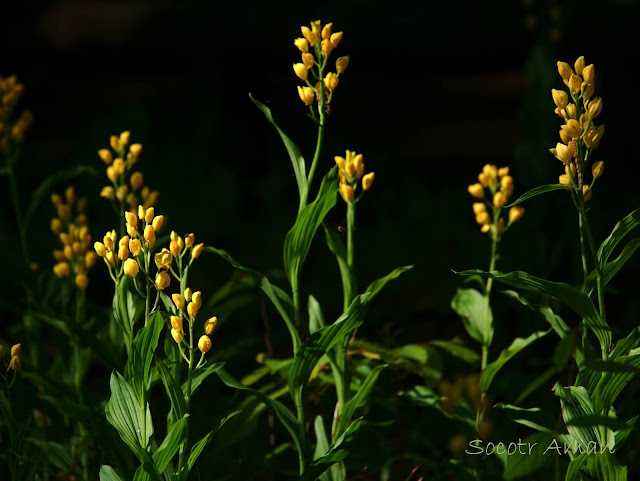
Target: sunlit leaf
(475, 312)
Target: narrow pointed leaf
(322, 447)
(176, 437)
(359, 400)
(610, 269)
(576, 403)
(534, 418)
(174, 391)
(197, 448)
(458, 350)
(621, 229)
(200, 375)
(542, 189)
(316, 318)
(337, 248)
(107, 473)
(144, 345)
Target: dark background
(434, 91)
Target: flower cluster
(579, 135)
(321, 41)
(193, 302)
(120, 161)
(351, 171)
(10, 92)
(499, 185)
(14, 363)
(70, 225)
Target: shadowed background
(434, 90)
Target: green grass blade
(542, 189)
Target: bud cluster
(193, 302)
(579, 135)
(14, 361)
(70, 226)
(493, 189)
(120, 160)
(351, 172)
(12, 132)
(320, 41)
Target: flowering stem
(181, 456)
(494, 250)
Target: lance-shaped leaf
(338, 452)
(359, 400)
(597, 467)
(610, 269)
(542, 189)
(107, 473)
(457, 349)
(175, 438)
(534, 418)
(475, 312)
(280, 299)
(199, 376)
(612, 383)
(322, 447)
(197, 448)
(554, 320)
(528, 458)
(576, 403)
(337, 248)
(297, 160)
(571, 297)
(174, 391)
(299, 238)
(516, 346)
(126, 413)
(621, 229)
(144, 345)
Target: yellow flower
(15, 364)
(210, 325)
(564, 69)
(163, 259)
(56, 225)
(589, 73)
(105, 155)
(108, 193)
(326, 47)
(131, 267)
(136, 180)
(150, 235)
(307, 95)
(149, 215)
(336, 38)
(187, 294)
(593, 136)
(174, 248)
(16, 349)
(204, 344)
(516, 213)
(192, 310)
(562, 153)
(586, 193)
(499, 199)
(572, 128)
(90, 258)
(309, 35)
(162, 280)
(482, 218)
(367, 180)
(302, 44)
(62, 269)
(124, 138)
(326, 31)
(197, 250)
(135, 246)
(341, 64)
(347, 192)
(307, 60)
(177, 336)
(178, 300)
(301, 71)
(196, 298)
(597, 169)
(575, 84)
(595, 107)
(565, 179)
(135, 150)
(476, 190)
(479, 208)
(176, 323)
(331, 81)
(131, 218)
(82, 281)
(157, 222)
(579, 65)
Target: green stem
(583, 247)
(314, 162)
(301, 432)
(182, 458)
(494, 250)
(147, 281)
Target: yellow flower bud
(76, 247)
(347, 192)
(90, 258)
(196, 298)
(187, 294)
(157, 222)
(302, 44)
(131, 268)
(105, 155)
(483, 218)
(516, 213)
(326, 47)
(367, 180)
(593, 136)
(135, 150)
(502, 171)
(149, 214)
(307, 60)
(68, 252)
(588, 90)
(111, 258)
(197, 250)
(210, 325)
(597, 169)
(124, 138)
(335, 39)
(341, 64)
(586, 193)
(58, 254)
(123, 252)
(150, 235)
(176, 323)
(135, 246)
(177, 336)
(506, 186)
(141, 212)
(114, 142)
(100, 249)
(163, 259)
(180, 242)
(579, 65)
(119, 166)
(204, 344)
(589, 73)
(307, 95)
(575, 84)
(16, 349)
(595, 107)
(479, 208)
(174, 249)
(572, 128)
(62, 269)
(112, 175)
(499, 199)
(70, 194)
(192, 310)
(301, 71)
(564, 136)
(560, 98)
(562, 153)
(56, 225)
(326, 31)
(564, 69)
(331, 81)
(476, 190)
(108, 193)
(570, 110)
(312, 37)
(15, 364)
(132, 230)
(315, 27)
(136, 180)
(82, 281)
(565, 179)
(178, 300)
(131, 218)
(189, 239)
(122, 193)
(162, 280)
(1, 351)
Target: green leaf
(338, 452)
(197, 448)
(359, 400)
(516, 346)
(337, 248)
(107, 473)
(125, 413)
(590, 420)
(283, 413)
(175, 393)
(299, 238)
(529, 459)
(458, 350)
(475, 312)
(610, 269)
(200, 375)
(421, 395)
(621, 229)
(56, 454)
(555, 321)
(297, 160)
(596, 467)
(623, 346)
(138, 366)
(316, 318)
(573, 298)
(576, 403)
(534, 418)
(542, 189)
(280, 299)
(611, 383)
(322, 447)
(44, 190)
(175, 438)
